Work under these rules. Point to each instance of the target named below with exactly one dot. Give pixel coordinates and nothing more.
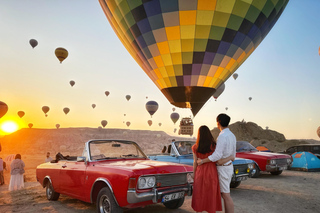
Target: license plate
(242, 178)
(282, 168)
(173, 196)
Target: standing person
(226, 146)
(206, 191)
(2, 167)
(17, 171)
(48, 159)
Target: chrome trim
(46, 177)
(155, 194)
(106, 182)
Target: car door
(72, 175)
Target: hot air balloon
(226, 108)
(128, 97)
(33, 43)
(21, 114)
(45, 109)
(235, 76)
(174, 130)
(189, 48)
(219, 91)
(173, 109)
(57, 126)
(61, 54)
(107, 93)
(30, 125)
(150, 122)
(72, 83)
(174, 117)
(318, 131)
(93, 106)
(160, 124)
(3, 109)
(128, 123)
(104, 123)
(146, 97)
(152, 107)
(66, 110)
(250, 98)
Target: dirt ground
(290, 192)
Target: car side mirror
(81, 159)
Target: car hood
(242, 161)
(146, 166)
(262, 154)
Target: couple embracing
(213, 169)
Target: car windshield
(184, 147)
(114, 149)
(244, 146)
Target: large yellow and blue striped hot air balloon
(190, 47)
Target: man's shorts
(225, 175)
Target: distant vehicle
(274, 163)
(313, 148)
(243, 168)
(116, 174)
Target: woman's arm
(194, 164)
(225, 160)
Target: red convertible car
(116, 174)
(274, 163)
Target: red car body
(274, 163)
(84, 179)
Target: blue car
(181, 152)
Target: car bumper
(275, 168)
(155, 194)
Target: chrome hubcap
(104, 204)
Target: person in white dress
(17, 171)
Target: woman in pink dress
(206, 190)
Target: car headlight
(146, 182)
(289, 160)
(251, 165)
(190, 177)
(273, 162)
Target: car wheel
(106, 202)
(257, 172)
(235, 184)
(174, 204)
(276, 173)
(51, 194)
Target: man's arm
(216, 155)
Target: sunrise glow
(9, 127)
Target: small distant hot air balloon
(146, 97)
(318, 131)
(61, 54)
(128, 97)
(21, 114)
(219, 91)
(152, 107)
(150, 122)
(174, 117)
(45, 109)
(250, 98)
(93, 106)
(33, 43)
(128, 123)
(3, 109)
(107, 93)
(160, 124)
(72, 83)
(226, 108)
(66, 110)
(235, 76)
(30, 125)
(173, 109)
(104, 123)
(124, 114)
(57, 126)
(174, 130)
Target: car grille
(281, 161)
(242, 168)
(171, 179)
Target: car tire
(174, 204)
(106, 202)
(276, 173)
(257, 172)
(235, 184)
(51, 194)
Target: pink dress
(206, 190)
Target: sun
(9, 127)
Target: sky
(281, 75)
